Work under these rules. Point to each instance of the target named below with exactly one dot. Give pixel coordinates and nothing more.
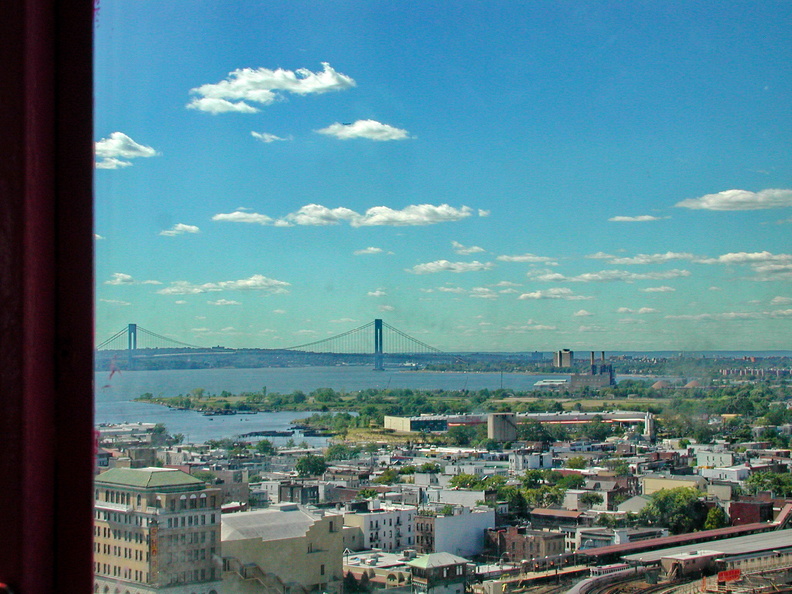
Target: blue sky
(481, 175)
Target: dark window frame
(46, 295)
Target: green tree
(205, 476)
(591, 499)
(310, 465)
(388, 477)
(265, 447)
(576, 462)
(716, 518)
(460, 435)
(679, 509)
(465, 481)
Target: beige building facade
(285, 549)
(155, 530)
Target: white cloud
(343, 321)
(531, 258)
(661, 289)
(641, 311)
(529, 327)
(263, 86)
(368, 251)
(266, 137)
(98, 237)
(316, 214)
(115, 302)
(781, 300)
(638, 219)
(600, 256)
(446, 266)
(740, 200)
(582, 313)
(733, 316)
(180, 229)
(243, 216)
(370, 129)
(257, 282)
(180, 302)
(554, 293)
(151, 282)
(215, 105)
(112, 163)
(279, 311)
(652, 258)
(222, 302)
(506, 284)
(466, 250)
(416, 214)
(377, 293)
(119, 278)
(387, 308)
(111, 151)
(768, 266)
(611, 276)
(483, 293)
(591, 329)
(456, 290)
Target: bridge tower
(131, 344)
(378, 357)
(132, 337)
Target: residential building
(460, 532)
(155, 530)
(390, 527)
(518, 543)
(284, 549)
(439, 573)
(521, 460)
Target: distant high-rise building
(156, 530)
(563, 358)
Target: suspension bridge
(376, 339)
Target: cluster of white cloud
(660, 289)
(733, 315)
(266, 137)
(582, 313)
(180, 229)
(264, 86)
(377, 293)
(447, 266)
(636, 219)
(368, 251)
(640, 311)
(464, 250)
(767, 265)
(114, 151)
(369, 129)
(554, 293)
(531, 326)
(115, 302)
(608, 276)
(222, 302)
(529, 258)
(740, 200)
(257, 282)
(121, 278)
(318, 215)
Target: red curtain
(46, 295)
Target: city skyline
(493, 177)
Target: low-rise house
(518, 543)
(286, 549)
(439, 573)
(651, 483)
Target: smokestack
(592, 357)
(603, 356)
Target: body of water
(115, 396)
